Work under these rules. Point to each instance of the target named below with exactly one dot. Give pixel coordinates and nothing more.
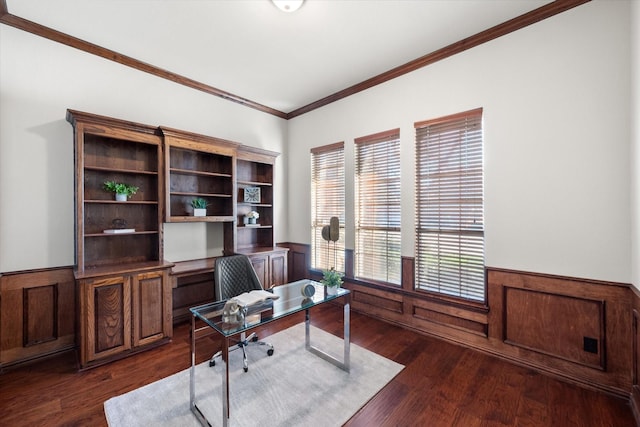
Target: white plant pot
(199, 212)
(332, 290)
(121, 197)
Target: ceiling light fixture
(288, 5)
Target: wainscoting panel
(568, 328)
(466, 321)
(579, 330)
(299, 259)
(40, 314)
(37, 314)
(635, 393)
(574, 329)
(385, 305)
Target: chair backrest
(234, 275)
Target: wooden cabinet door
(106, 317)
(151, 314)
(261, 266)
(278, 265)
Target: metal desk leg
(192, 370)
(347, 334)
(192, 377)
(345, 363)
(225, 382)
(307, 324)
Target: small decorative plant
(331, 278)
(199, 206)
(120, 188)
(199, 203)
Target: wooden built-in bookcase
(123, 287)
(255, 170)
(198, 166)
(111, 150)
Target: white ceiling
(253, 50)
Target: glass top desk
(291, 300)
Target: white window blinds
(377, 213)
(450, 206)
(327, 200)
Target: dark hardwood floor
(442, 384)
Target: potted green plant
(122, 191)
(199, 206)
(332, 279)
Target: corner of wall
(635, 144)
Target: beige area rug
(291, 388)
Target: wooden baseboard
(118, 356)
(634, 401)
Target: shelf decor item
(332, 279)
(252, 194)
(122, 191)
(251, 217)
(119, 226)
(199, 206)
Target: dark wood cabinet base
(123, 355)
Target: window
(449, 206)
(327, 200)
(377, 210)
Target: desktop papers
(253, 297)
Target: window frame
(378, 208)
(324, 254)
(449, 225)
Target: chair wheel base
(212, 363)
(255, 338)
(270, 352)
(246, 369)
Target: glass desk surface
(290, 301)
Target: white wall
(635, 144)
(556, 128)
(556, 97)
(39, 80)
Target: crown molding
(60, 37)
(529, 18)
(499, 30)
